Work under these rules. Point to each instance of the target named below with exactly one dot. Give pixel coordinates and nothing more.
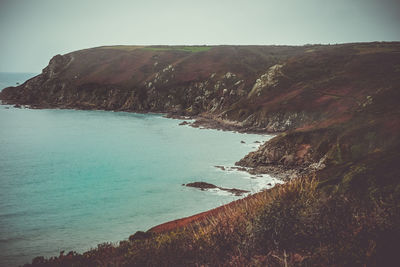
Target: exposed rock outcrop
(205, 186)
(269, 79)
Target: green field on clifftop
(192, 49)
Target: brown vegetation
(290, 225)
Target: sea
(72, 179)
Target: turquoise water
(72, 179)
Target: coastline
(207, 121)
(333, 111)
(194, 215)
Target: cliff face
(175, 80)
(334, 104)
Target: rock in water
(201, 185)
(204, 186)
(220, 167)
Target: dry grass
(376, 49)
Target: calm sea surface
(72, 179)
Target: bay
(73, 179)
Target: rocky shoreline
(260, 96)
(248, 163)
(279, 171)
(211, 122)
(207, 121)
(334, 108)
(270, 158)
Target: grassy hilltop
(335, 109)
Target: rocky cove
(100, 176)
(333, 108)
(167, 81)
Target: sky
(32, 31)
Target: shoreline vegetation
(292, 222)
(334, 110)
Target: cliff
(334, 104)
(335, 109)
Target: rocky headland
(318, 97)
(334, 108)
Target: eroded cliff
(332, 104)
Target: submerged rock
(220, 167)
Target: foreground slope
(335, 107)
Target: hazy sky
(32, 31)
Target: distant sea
(14, 78)
(73, 179)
